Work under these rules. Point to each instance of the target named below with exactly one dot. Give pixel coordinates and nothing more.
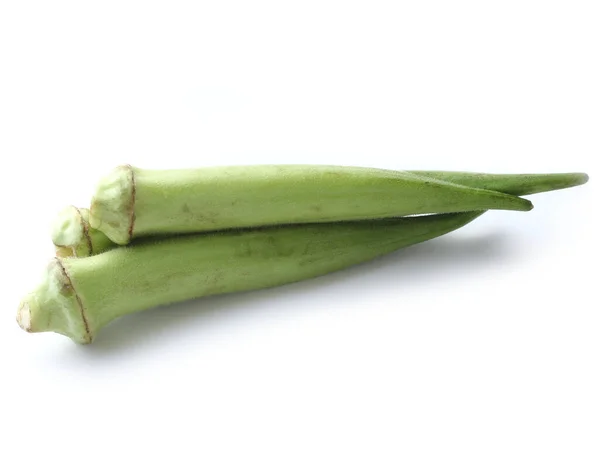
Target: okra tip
(112, 207)
(525, 184)
(579, 178)
(514, 203)
(526, 204)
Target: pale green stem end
(55, 306)
(72, 234)
(112, 208)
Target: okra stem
(78, 296)
(132, 202)
(72, 234)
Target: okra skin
(132, 202)
(514, 184)
(81, 295)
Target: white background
(485, 339)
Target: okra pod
(132, 202)
(78, 296)
(73, 235)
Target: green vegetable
(515, 184)
(132, 202)
(72, 234)
(78, 296)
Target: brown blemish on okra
(132, 212)
(86, 232)
(69, 287)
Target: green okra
(132, 202)
(72, 234)
(78, 296)
(514, 184)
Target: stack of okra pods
(153, 237)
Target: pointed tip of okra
(546, 182)
(511, 203)
(513, 184)
(112, 207)
(507, 202)
(527, 206)
(470, 196)
(515, 204)
(578, 178)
